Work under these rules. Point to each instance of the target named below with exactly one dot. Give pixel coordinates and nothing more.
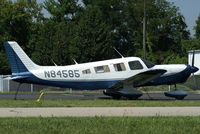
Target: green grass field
(98, 103)
(101, 125)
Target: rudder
(18, 59)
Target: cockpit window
(148, 63)
(135, 65)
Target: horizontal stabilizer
(19, 77)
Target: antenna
(118, 52)
(53, 62)
(74, 61)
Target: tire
(179, 98)
(116, 97)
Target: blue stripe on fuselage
(89, 85)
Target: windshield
(148, 63)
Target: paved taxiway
(91, 96)
(100, 111)
(97, 111)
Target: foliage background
(89, 31)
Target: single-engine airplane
(119, 77)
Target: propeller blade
(194, 79)
(193, 54)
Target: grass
(99, 103)
(100, 125)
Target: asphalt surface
(96, 111)
(91, 96)
(99, 111)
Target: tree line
(88, 30)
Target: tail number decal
(62, 74)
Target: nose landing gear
(177, 94)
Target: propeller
(193, 53)
(194, 80)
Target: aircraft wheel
(116, 97)
(179, 98)
(177, 94)
(132, 98)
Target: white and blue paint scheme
(114, 74)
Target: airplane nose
(193, 69)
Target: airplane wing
(141, 78)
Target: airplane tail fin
(18, 59)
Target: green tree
(17, 20)
(113, 16)
(193, 43)
(55, 34)
(165, 28)
(93, 36)
(197, 27)
(88, 32)
(54, 44)
(62, 10)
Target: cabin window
(135, 65)
(87, 71)
(102, 69)
(119, 67)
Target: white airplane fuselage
(95, 75)
(72, 76)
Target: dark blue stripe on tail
(16, 64)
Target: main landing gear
(177, 94)
(130, 94)
(16, 93)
